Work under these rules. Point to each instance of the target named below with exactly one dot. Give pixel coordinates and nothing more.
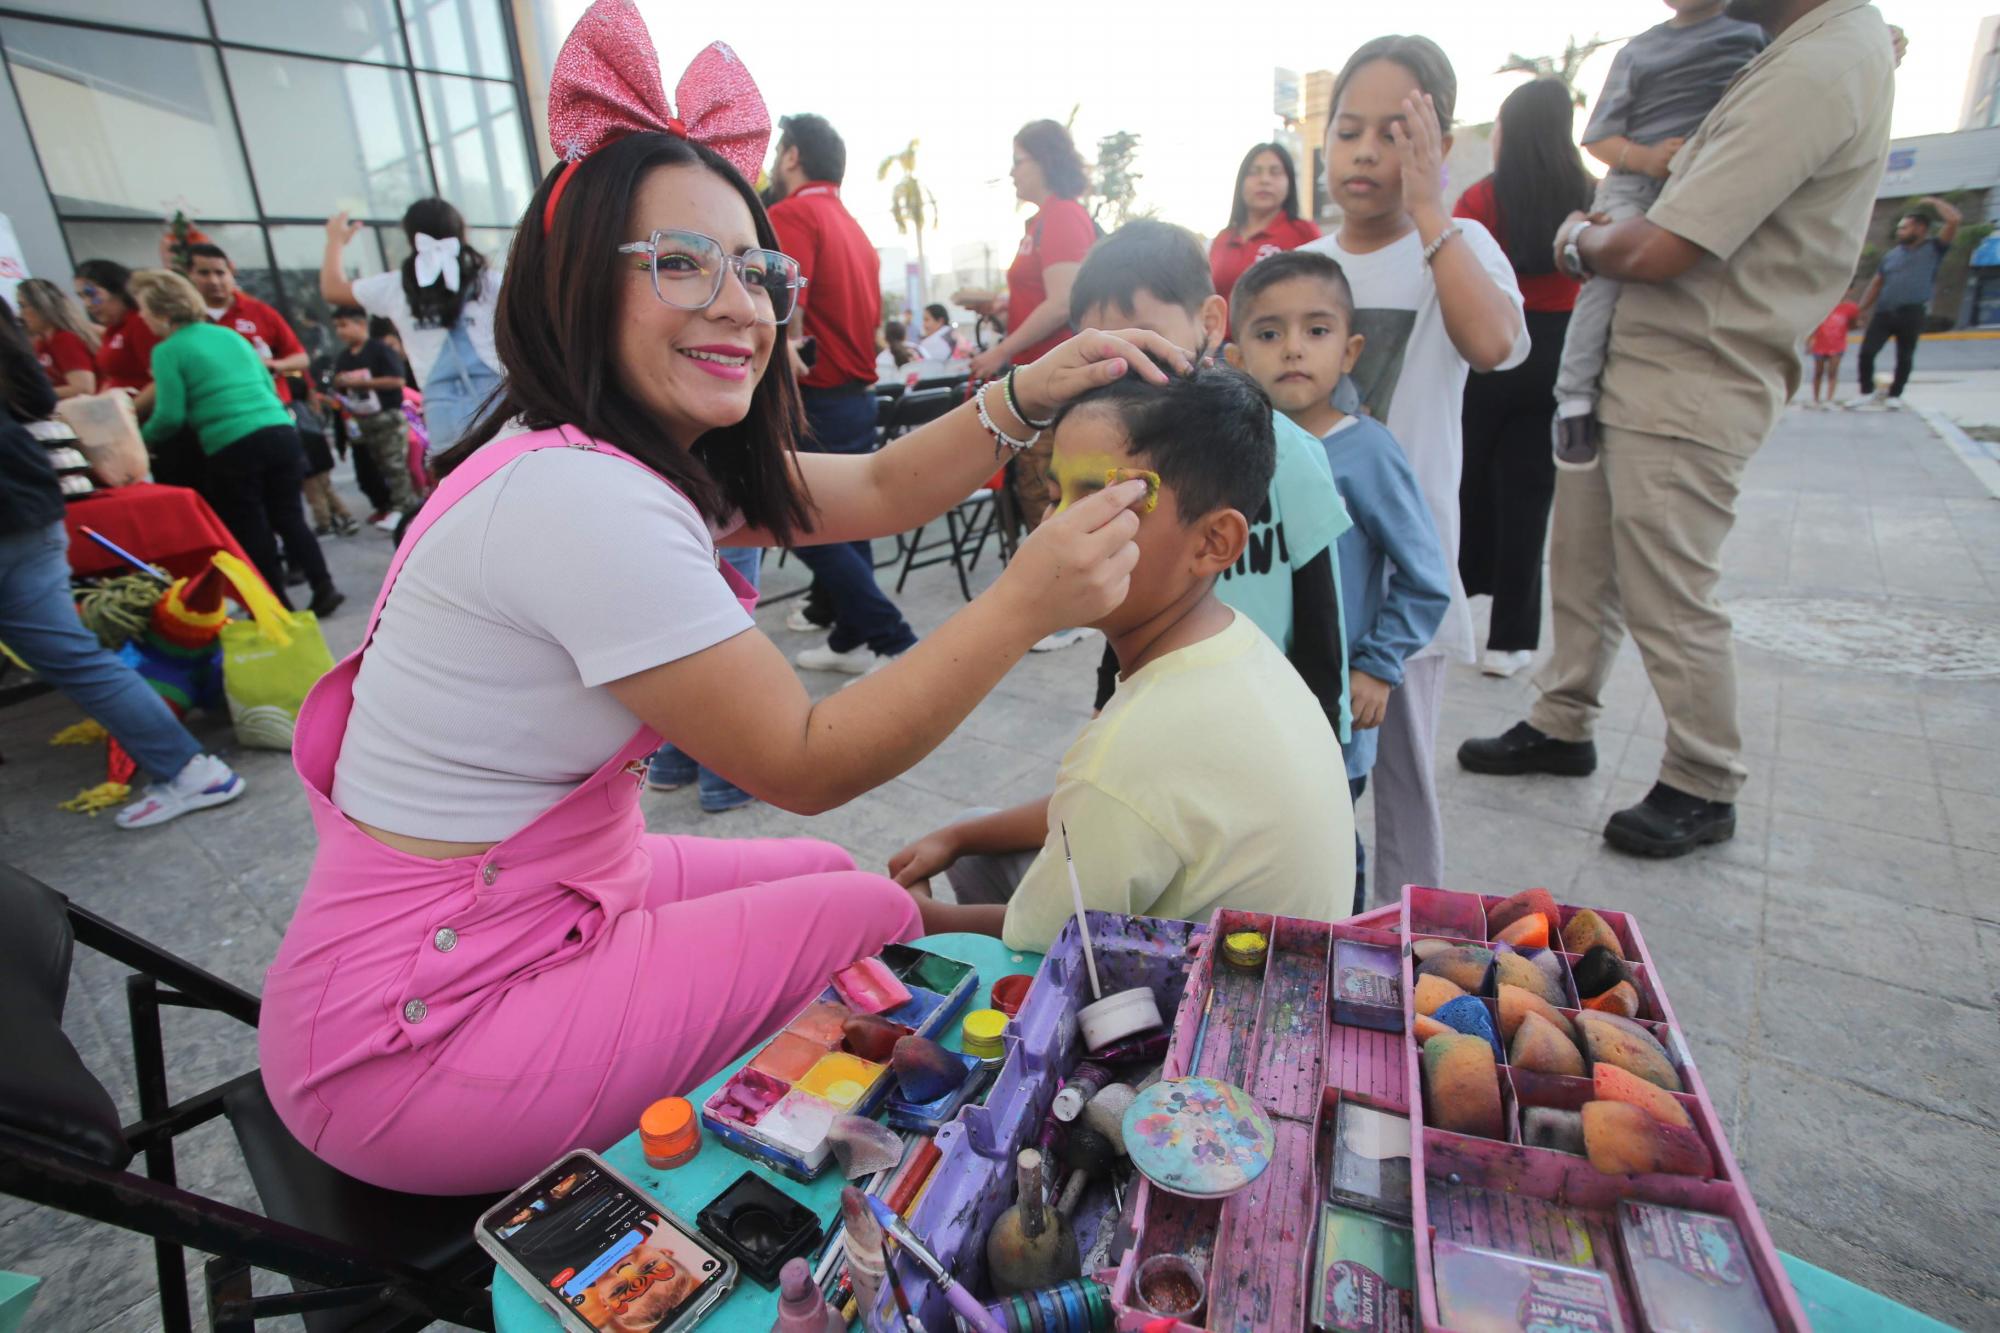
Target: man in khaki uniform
(1751, 243)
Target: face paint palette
(778, 1108)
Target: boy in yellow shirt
(1211, 779)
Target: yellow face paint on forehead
(1082, 475)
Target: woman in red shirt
(125, 356)
(1263, 217)
(65, 342)
(1510, 475)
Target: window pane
(137, 245)
(477, 147)
(324, 136)
(465, 36)
(128, 124)
(299, 250)
(493, 242)
(348, 29)
(182, 16)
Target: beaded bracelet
(1437, 242)
(1014, 406)
(1000, 437)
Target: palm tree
(1566, 67)
(912, 205)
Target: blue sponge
(1469, 1015)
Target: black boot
(1522, 749)
(326, 600)
(1670, 823)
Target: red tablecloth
(169, 525)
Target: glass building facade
(261, 118)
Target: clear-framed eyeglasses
(688, 269)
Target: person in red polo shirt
(233, 308)
(834, 343)
(1263, 217)
(1048, 172)
(64, 339)
(125, 353)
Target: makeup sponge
(1464, 966)
(1527, 932)
(1622, 1139)
(1556, 1130)
(1517, 1003)
(1470, 1016)
(1433, 991)
(1587, 929)
(1612, 1084)
(1463, 1085)
(1598, 971)
(1528, 902)
(1620, 999)
(1540, 1047)
(926, 1071)
(1425, 1027)
(1513, 969)
(1609, 1039)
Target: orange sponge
(1609, 1039)
(1509, 910)
(1539, 1046)
(1620, 999)
(1427, 1027)
(1528, 932)
(1511, 969)
(1462, 1085)
(1613, 1084)
(1517, 1003)
(1621, 1139)
(1587, 928)
(1433, 991)
(1464, 966)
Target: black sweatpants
(1509, 484)
(253, 486)
(1905, 324)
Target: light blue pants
(38, 621)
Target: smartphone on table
(601, 1254)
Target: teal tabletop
(1833, 1304)
(687, 1189)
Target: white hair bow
(437, 258)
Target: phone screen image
(605, 1251)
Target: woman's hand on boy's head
(1091, 359)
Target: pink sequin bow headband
(607, 85)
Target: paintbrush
(1076, 895)
(968, 1306)
(902, 1301)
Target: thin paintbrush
(1076, 894)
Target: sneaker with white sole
(205, 781)
(1877, 401)
(798, 622)
(389, 522)
(1062, 638)
(1504, 664)
(855, 661)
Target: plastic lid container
(1009, 993)
(1116, 1017)
(982, 1031)
(1245, 949)
(668, 1133)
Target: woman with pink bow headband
(442, 300)
(492, 961)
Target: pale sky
(1194, 86)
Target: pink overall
(451, 1027)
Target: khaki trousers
(1637, 544)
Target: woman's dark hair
(437, 305)
(896, 335)
(937, 311)
(1538, 178)
(1239, 212)
(1423, 58)
(1055, 153)
(110, 277)
(24, 389)
(554, 330)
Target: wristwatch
(1572, 258)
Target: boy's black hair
(1208, 434)
(1268, 272)
(350, 312)
(822, 152)
(1149, 256)
(206, 250)
(937, 311)
(381, 326)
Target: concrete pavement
(1836, 964)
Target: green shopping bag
(268, 661)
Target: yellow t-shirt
(1210, 780)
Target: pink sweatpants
(731, 940)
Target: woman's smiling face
(695, 370)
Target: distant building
(1963, 166)
(1982, 86)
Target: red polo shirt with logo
(125, 357)
(60, 352)
(1231, 252)
(842, 304)
(266, 330)
(1061, 232)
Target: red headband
(606, 85)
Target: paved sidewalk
(1837, 963)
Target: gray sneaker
(1576, 442)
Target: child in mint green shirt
(1154, 275)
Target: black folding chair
(358, 1257)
